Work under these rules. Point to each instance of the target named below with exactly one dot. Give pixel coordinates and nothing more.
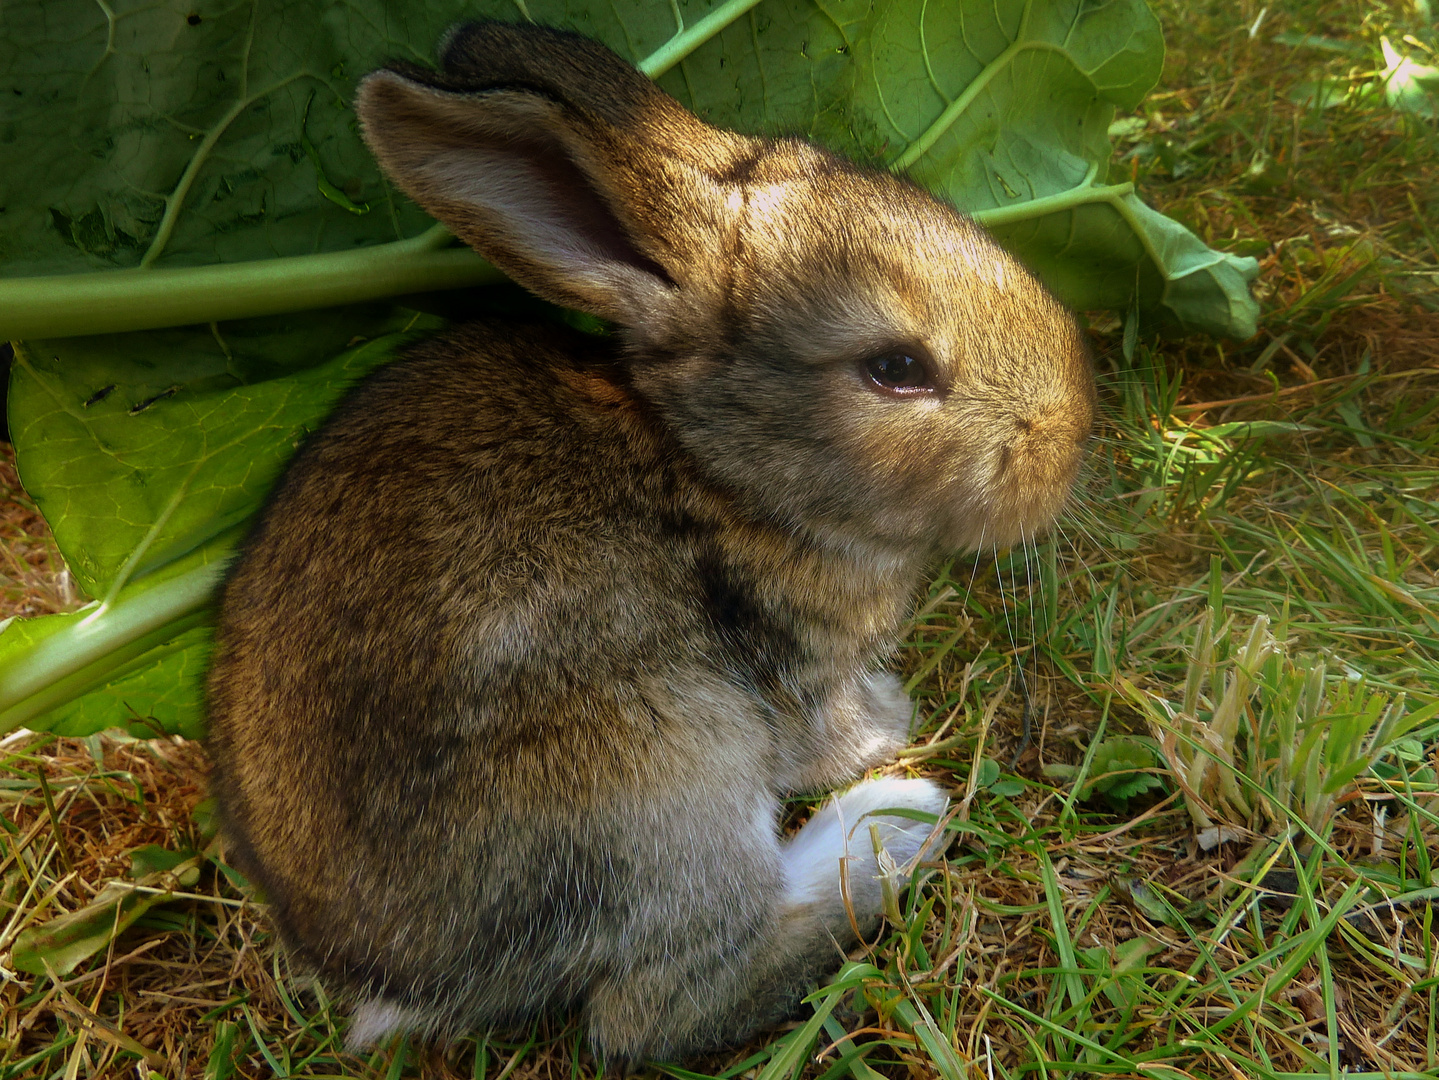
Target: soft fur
(540, 627)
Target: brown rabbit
(540, 627)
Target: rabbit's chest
(792, 625)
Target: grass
(1076, 925)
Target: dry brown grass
(33, 578)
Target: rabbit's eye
(899, 372)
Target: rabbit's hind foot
(376, 1021)
(697, 996)
(837, 841)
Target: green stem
(687, 41)
(114, 301)
(99, 636)
(1081, 195)
(112, 666)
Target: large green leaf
(215, 136)
(1008, 117)
(139, 448)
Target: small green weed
(1262, 742)
(1121, 768)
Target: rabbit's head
(832, 346)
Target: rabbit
(540, 627)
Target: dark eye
(900, 372)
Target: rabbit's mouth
(1035, 474)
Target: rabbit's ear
(555, 160)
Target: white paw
(839, 836)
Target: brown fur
(538, 629)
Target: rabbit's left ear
(574, 182)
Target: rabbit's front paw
(888, 710)
(863, 726)
(871, 725)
